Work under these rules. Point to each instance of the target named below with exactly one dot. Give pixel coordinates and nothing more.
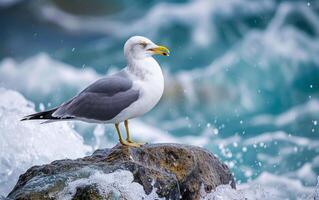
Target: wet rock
(170, 171)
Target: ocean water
(242, 80)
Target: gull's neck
(144, 69)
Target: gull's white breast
(149, 81)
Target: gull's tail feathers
(45, 115)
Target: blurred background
(242, 80)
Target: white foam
(265, 187)
(24, 144)
(116, 185)
(306, 174)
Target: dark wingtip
(40, 115)
(24, 118)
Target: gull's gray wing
(102, 100)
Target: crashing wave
(278, 55)
(202, 12)
(24, 144)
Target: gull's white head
(138, 47)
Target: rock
(169, 171)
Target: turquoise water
(242, 79)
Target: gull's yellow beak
(161, 50)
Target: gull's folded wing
(101, 101)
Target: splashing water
(23, 145)
(242, 80)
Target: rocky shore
(154, 171)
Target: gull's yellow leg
(128, 137)
(123, 142)
(119, 133)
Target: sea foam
(117, 185)
(24, 144)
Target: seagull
(118, 97)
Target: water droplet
(41, 107)
(244, 149)
(235, 144)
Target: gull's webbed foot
(130, 144)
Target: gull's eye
(143, 44)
